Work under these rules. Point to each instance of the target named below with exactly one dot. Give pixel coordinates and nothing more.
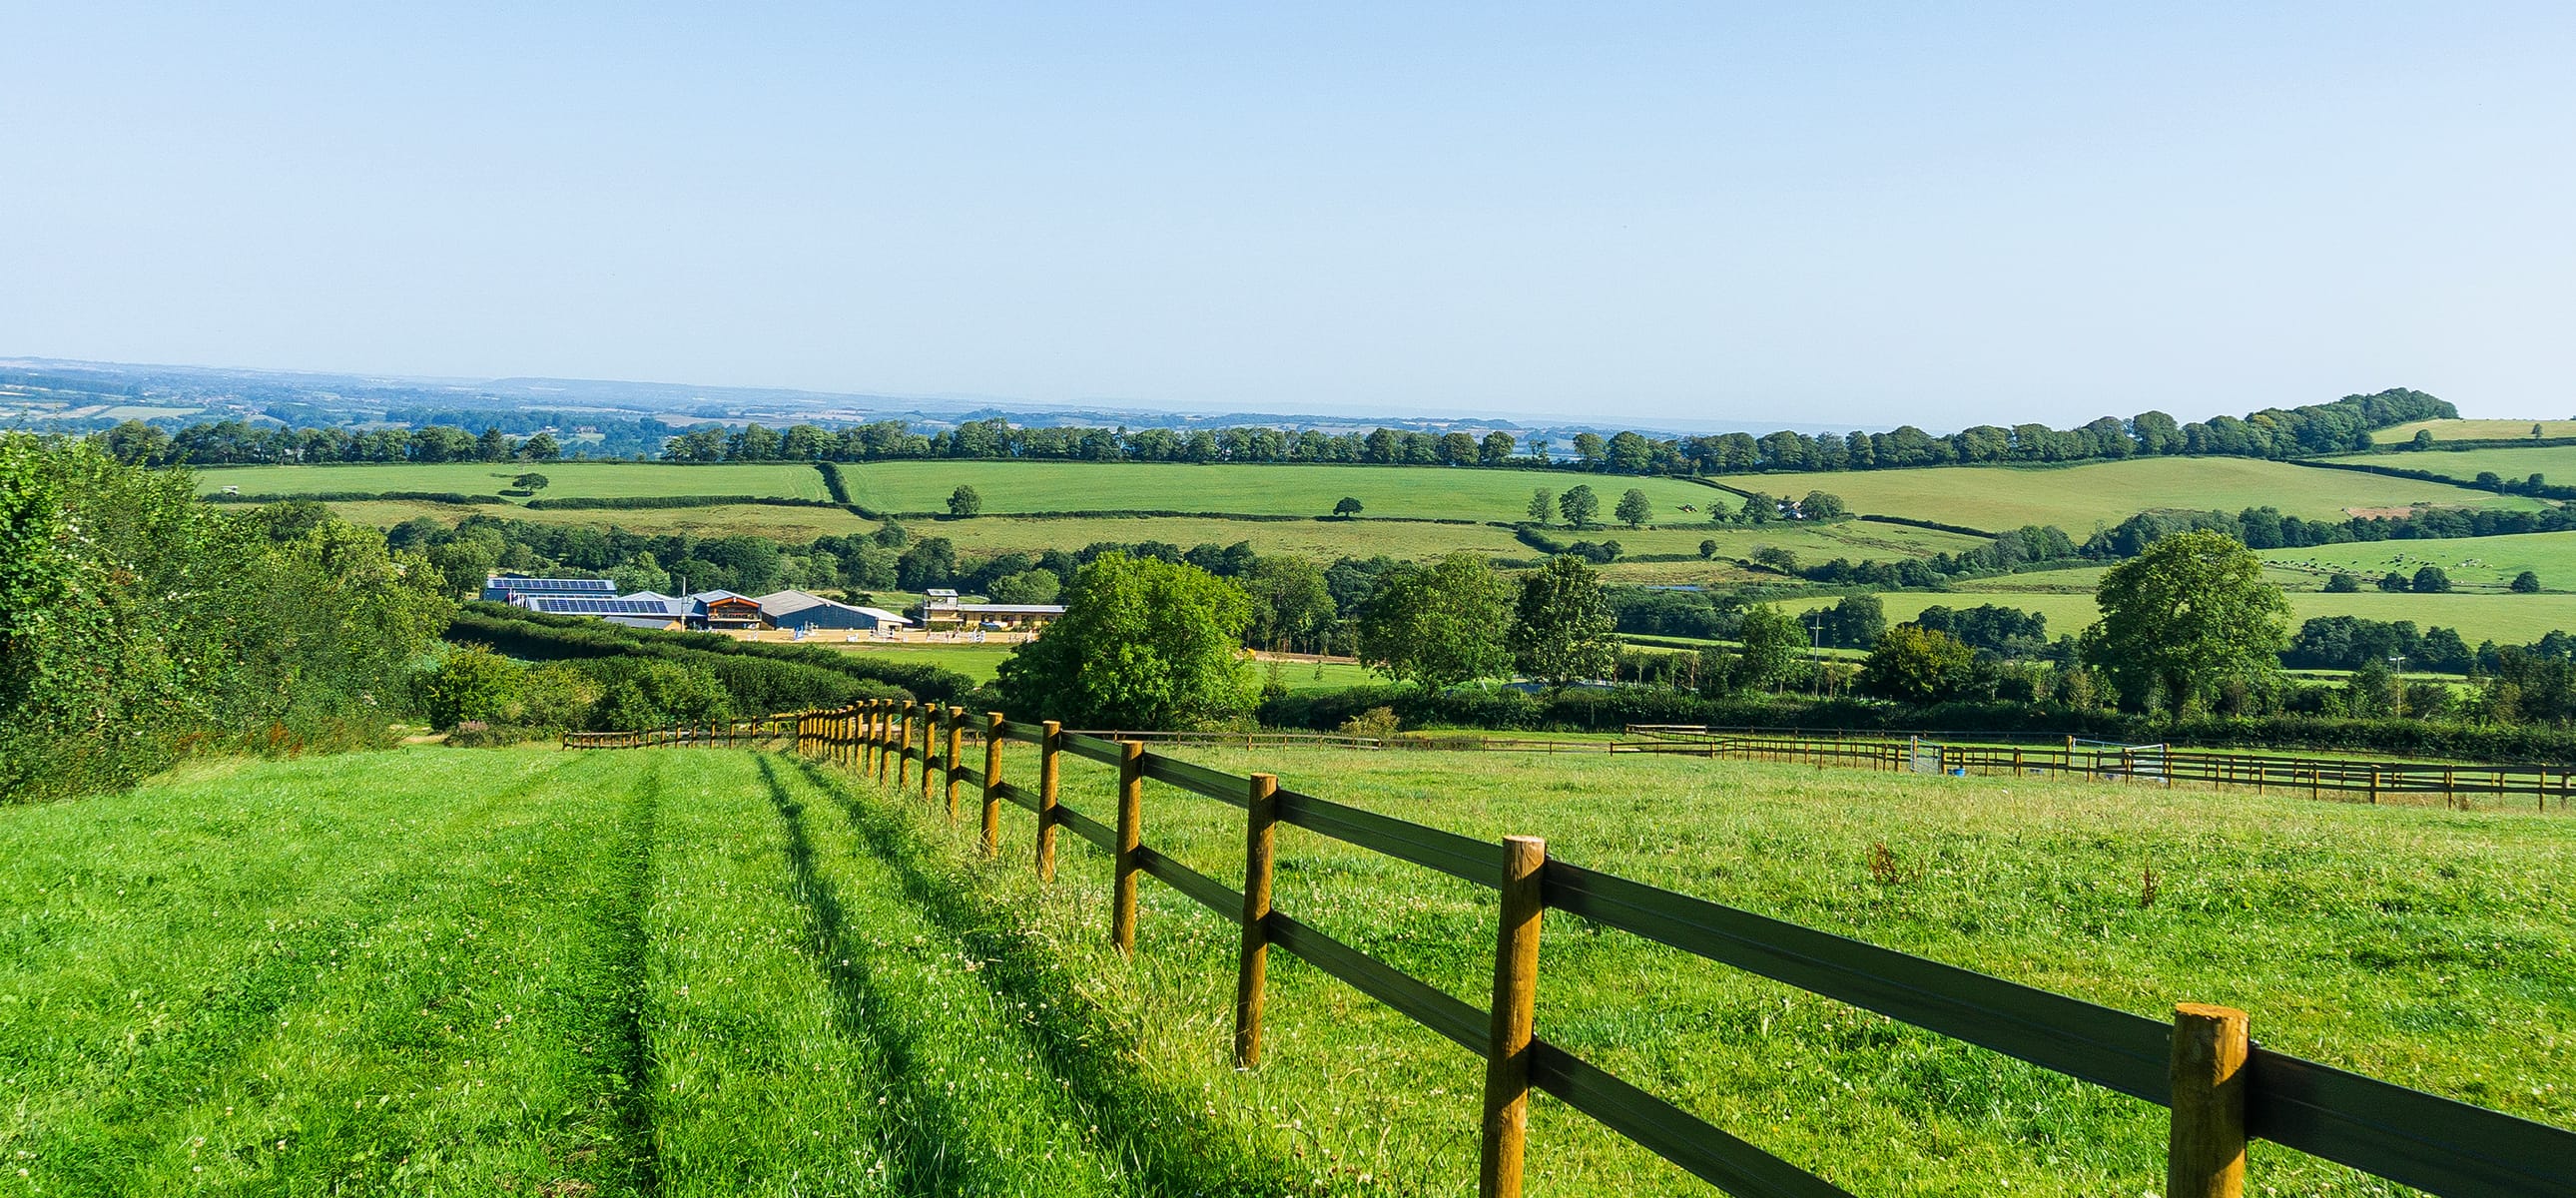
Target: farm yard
(780, 978)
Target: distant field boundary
(2513, 486)
(642, 502)
(2222, 1088)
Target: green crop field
(2076, 498)
(2474, 430)
(2554, 463)
(565, 480)
(2504, 619)
(794, 525)
(699, 972)
(1321, 539)
(2475, 563)
(1857, 540)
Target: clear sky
(1797, 212)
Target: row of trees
(234, 442)
(2342, 426)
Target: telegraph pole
(2397, 661)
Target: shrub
(472, 684)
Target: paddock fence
(2220, 1087)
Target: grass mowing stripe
(755, 1090)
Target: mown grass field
(565, 480)
(1250, 489)
(2416, 945)
(2076, 498)
(451, 972)
(2474, 430)
(2502, 618)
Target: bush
(472, 684)
(639, 694)
(1377, 723)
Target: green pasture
(2474, 563)
(2413, 944)
(1436, 492)
(449, 971)
(2077, 498)
(2504, 619)
(1319, 539)
(2556, 463)
(2474, 430)
(565, 480)
(793, 525)
(1854, 539)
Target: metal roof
(523, 585)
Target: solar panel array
(600, 607)
(539, 586)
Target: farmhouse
(941, 609)
(798, 609)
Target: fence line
(2220, 1086)
(2459, 786)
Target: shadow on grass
(919, 1158)
(635, 1058)
(1169, 1144)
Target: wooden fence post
(955, 762)
(2205, 1158)
(1050, 746)
(929, 752)
(1506, 1130)
(1260, 837)
(1131, 832)
(992, 784)
(903, 759)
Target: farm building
(723, 610)
(643, 609)
(797, 609)
(506, 588)
(941, 609)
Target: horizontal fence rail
(2220, 1087)
(2463, 786)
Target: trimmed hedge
(522, 633)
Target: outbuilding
(800, 609)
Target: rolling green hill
(2504, 619)
(567, 480)
(2557, 463)
(2473, 430)
(2474, 563)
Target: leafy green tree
(1912, 664)
(1579, 505)
(135, 443)
(2431, 580)
(1142, 644)
(1542, 506)
(1635, 509)
(2393, 582)
(1823, 505)
(473, 683)
(1760, 509)
(1495, 449)
(1772, 641)
(1027, 586)
(2341, 583)
(1438, 625)
(493, 446)
(531, 481)
(2191, 613)
(1348, 507)
(644, 693)
(1561, 630)
(964, 501)
(2423, 438)
(541, 448)
(1291, 601)
(1707, 549)
(2526, 583)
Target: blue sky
(1811, 213)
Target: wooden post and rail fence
(2221, 1087)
